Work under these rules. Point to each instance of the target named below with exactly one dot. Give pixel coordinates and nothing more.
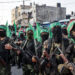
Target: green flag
(38, 32)
(34, 31)
(19, 26)
(8, 32)
(15, 27)
(35, 37)
(30, 26)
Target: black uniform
(5, 56)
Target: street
(16, 71)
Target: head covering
(52, 26)
(28, 29)
(69, 28)
(20, 33)
(3, 27)
(63, 26)
(44, 30)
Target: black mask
(57, 34)
(72, 36)
(30, 35)
(13, 35)
(73, 29)
(21, 35)
(2, 33)
(44, 37)
(64, 31)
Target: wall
(49, 14)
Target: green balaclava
(28, 29)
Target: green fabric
(63, 26)
(28, 29)
(38, 31)
(30, 26)
(34, 31)
(70, 27)
(15, 27)
(73, 40)
(8, 32)
(3, 27)
(52, 26)
(71, 24)
(20, 33)
(19, 26)
(44, 30)
(35, 37)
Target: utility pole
(23, 2)
(23, 12)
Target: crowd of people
(39, 51)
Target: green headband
(3, 27)
(69, 28)
(44, 30)
(63, 26)
(28, 29)
(52, 26)
(71, 24)
(20, 33)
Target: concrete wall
(40, 13)
(49, 14)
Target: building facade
(20, 14)
(38, 13)
(45, 13)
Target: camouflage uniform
(70, 51)
(5, 68)
(28, 66)
(56, 40)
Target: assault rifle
(67, 61)
(2, 61)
